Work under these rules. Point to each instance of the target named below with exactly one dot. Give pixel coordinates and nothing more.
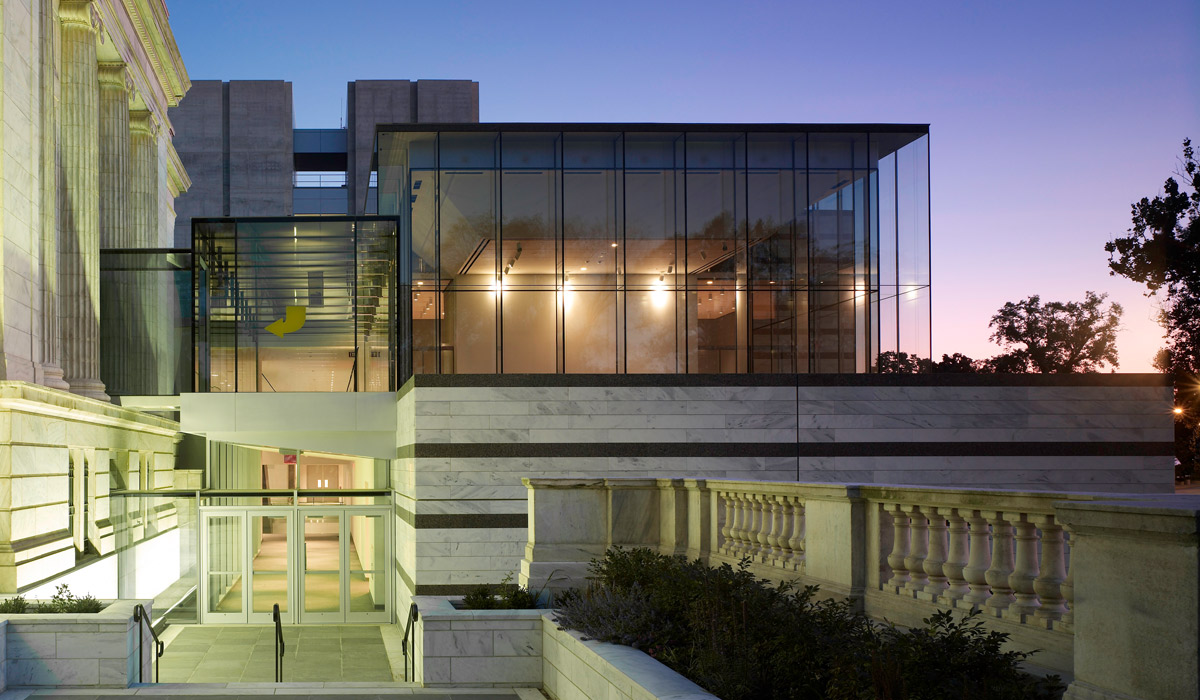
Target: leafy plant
(742, 637)
(15, 605)
(504, 596)
(64, 601)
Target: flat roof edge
(654, 126)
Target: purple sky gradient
(1047, 119)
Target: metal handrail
(143, 619)
(412, 617)
(278, 643)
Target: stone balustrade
(1058, 572)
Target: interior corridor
(321, 591)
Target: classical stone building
(87, 163)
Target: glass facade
(657, 248)
(295, 304)
(146, 334)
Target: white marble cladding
(486, 434)
(47, 434)
(525, 648)
(790, 413)
(98, 650)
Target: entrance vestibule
(320, 563)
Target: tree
(957, 363)
(1059, 336)
(892, 362)
(1162, 251)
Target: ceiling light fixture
(614, 245)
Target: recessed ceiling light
(614, 245)
(710, 282)
(582, 269)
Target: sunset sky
(1046, 119)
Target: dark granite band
(792, 449)
(461, 521)
(784, 380)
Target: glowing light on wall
(659, 296)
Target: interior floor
(321, 589)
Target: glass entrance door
(321, 563)
(270, 553)
(223, 542)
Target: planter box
(525, 648)
(87, 650)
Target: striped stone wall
(461, 505)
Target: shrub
(15, 605)
(64, 601)
(743, 637)
(505, 596)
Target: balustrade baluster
(773, 537)
(739, 521)
(1052, 571)
(1002, 562)
(750, 531)
(787, 554)
(899, 546)
(956, 556)
(1068, 584)
(795, 541)
(935, 558)
(980, 558)
(762, 534)
(918, 549)
(727, 524)
(1025, 569)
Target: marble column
(152, 330)
(49, 368)
(80, 212)
(119, 321)
(115, 175)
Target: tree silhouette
(1162, 251)
(1059, 336)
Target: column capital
(143, 121)
(114, 74)
(81, 14)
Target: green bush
(64, 601)
(504, 596)
(14, 606)
(741, 637)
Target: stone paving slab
(246, 653)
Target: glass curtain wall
(146, 309)
(295, 304)
(601, 249)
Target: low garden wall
(525, 648)
(85, 650)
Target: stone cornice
(149, 18)
(177, 176)
(33, 398)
